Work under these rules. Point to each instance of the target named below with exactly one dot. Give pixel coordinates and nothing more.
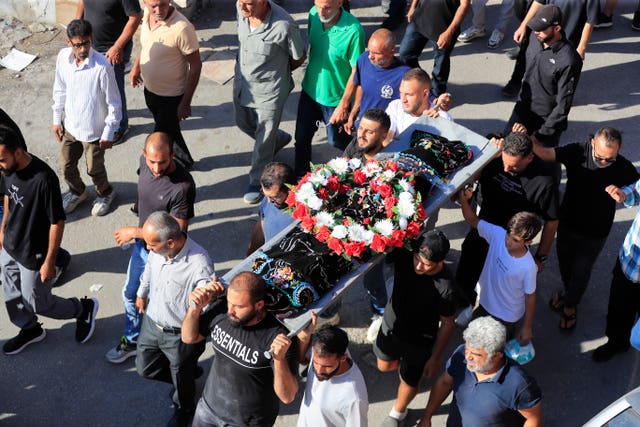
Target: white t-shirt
(401, 120)
(340, 401)
(504, 280)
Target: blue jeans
(310, 112)
(133, 319)
(411, 47)
(118, 70)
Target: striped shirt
(86, 97)
(630, 251)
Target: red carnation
(392, 166)
(354, 249)
(291, 199)
(384, 190)
(323, 233)
(335, 245)
(366, 221)
(421, 215)
(397, 238)
(300, 212)
(333, 183)
(377, 244)
(359, 177)
(323, 194)
(413, 229)
(389, 204)
(307, 223)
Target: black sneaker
(604, 21)
(511, 90)
(607, 351)
(635, 24)
(62, 263)
(26, 336)
(87, 321)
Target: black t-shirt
(502, 195)
(239, 388)
(433, 17)
(174, 193)
(35, 203)
(108, 18)
(587, 208)
(418, 300)
(352, 150)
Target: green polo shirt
(332, 54)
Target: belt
(167, 329)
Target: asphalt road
(60, 383)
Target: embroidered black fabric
(298, 271)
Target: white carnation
(371, 168)
(314, 202)
(305, 192)
(405, 205)
(355, 164)
(324, 218)
(339, 232)
(402, 223)
(406, 186)
(388, 175)
(339, 165)
(320, 176)
(356, 233)
(384, 227)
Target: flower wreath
(358, 208)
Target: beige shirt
(163, 53)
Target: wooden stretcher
(483, 152)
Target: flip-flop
(566, 318)
(556, 303)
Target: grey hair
(165, 226)
(487, 333)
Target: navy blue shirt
(379, 85)
(492, 402)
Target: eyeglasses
(604, 159)
(81, 44)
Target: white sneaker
(464, 317)
(496, 39)
(70, 201)
(372, 332)
(101, 205)
(470, 34)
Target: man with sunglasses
(586, 211)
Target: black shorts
(412, 353)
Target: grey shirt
(263, 74)
(167, 283)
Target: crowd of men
(173, 300)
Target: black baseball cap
(435, 246)
(546, 17)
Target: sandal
(568, 321)
(556, 303)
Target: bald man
(163, 185)
(377, 77)
(244, 387)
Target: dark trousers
(576, 256)
(411, 48)
(624, 307)
(310, 113)
(162, 356)
(521, 61)
(472, 255)
(165, 115)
